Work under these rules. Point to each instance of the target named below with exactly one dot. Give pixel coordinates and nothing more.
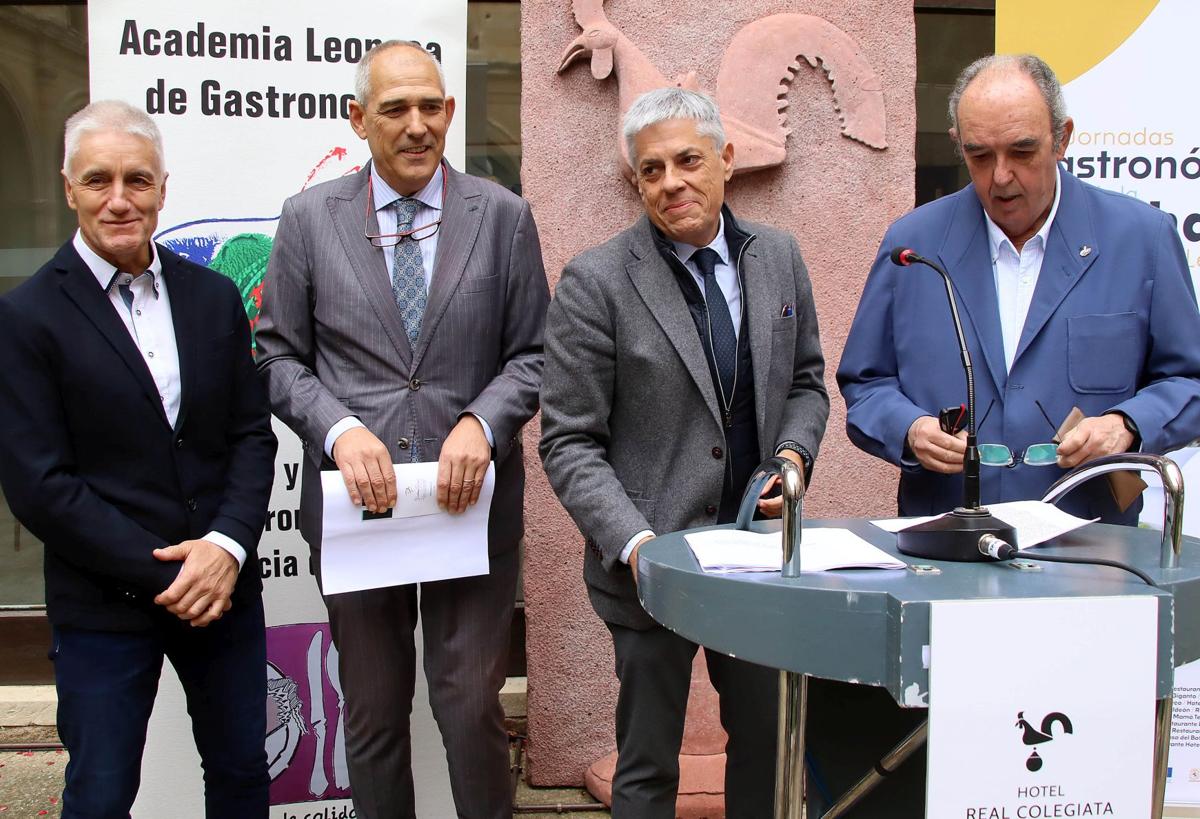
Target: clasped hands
(366, 467)
(1091, 438)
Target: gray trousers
(655, 669)
(465, 624)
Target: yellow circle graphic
(1070, 35)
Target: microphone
(958, 539)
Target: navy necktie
(724, 341)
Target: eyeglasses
(1034, 454)
(417, 234)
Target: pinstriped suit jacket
(331, 342)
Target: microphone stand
(956, 535)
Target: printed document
(414, 542)
(1035, 522)
(733, 550)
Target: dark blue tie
(724, 342)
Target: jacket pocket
(1104, 352)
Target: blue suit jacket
(1110, 328)
(88, 460)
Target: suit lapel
(180, 290)
(1062, 266)
(657, 287)
(462, 214)
(81, 288)
(347, 208)
(966, 257)
(762, 296)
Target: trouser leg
(373, 632)
(466, 624)
(654, 668)
(106, 684)
(749, 699)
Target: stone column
(836, 195)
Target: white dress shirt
(429, 211)
(731, 285)
(1016, 275)
(152, 329)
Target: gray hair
(663, 104)
(1033, 67)
(110, 115)
(362, 73)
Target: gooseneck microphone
(904, 257)
(960, 534)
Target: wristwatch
(1133, 430)
(805, 456)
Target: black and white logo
(1033, 737)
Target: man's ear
(356, 119)
(69, 192)
(1068, 130)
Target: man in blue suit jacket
(1071, 296)
(136, 443)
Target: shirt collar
(430, 196)
(996, 237)
(684, 251)
(106, 273)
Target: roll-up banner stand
(253, 103)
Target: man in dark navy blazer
(135, 442)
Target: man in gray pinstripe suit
(402, 321)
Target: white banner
(1042, 708)
(252, 100)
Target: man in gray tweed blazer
(679, 354)
(402, 321)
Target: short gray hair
(110, 115)
(663, 104)
(1031, 66)
(362, 73)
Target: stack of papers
(1035, 522)
(732, 550)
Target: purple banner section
(306, 746)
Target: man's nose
(414, 123)
(1002, 174)
(118, 198)
(672, 178)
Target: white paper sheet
(417, 543)
(732, 550)
(1035, 522)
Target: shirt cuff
(487, 431)
(633, 541)
(228, 544)
(349, 422)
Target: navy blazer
(1113, 325)
(89, 462)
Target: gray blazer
(331, 342)
(629, 413)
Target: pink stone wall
(835, 195)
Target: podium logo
(1033, 737)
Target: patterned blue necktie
(408, 271)
(724, 341)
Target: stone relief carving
(753, 81)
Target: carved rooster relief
(752, 84)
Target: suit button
(710, 510)
(179, 443)
(403, 443)
(191, 504)
(414, 384)
(718, 453)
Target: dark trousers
(655, 669)
(465, 624)
(106, 686)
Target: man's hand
(366, 467)
(633, 557)
(773, 507)
(934, 449)
(1092, 438)
(200, 592)
(463, 465)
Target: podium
(873, 627)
